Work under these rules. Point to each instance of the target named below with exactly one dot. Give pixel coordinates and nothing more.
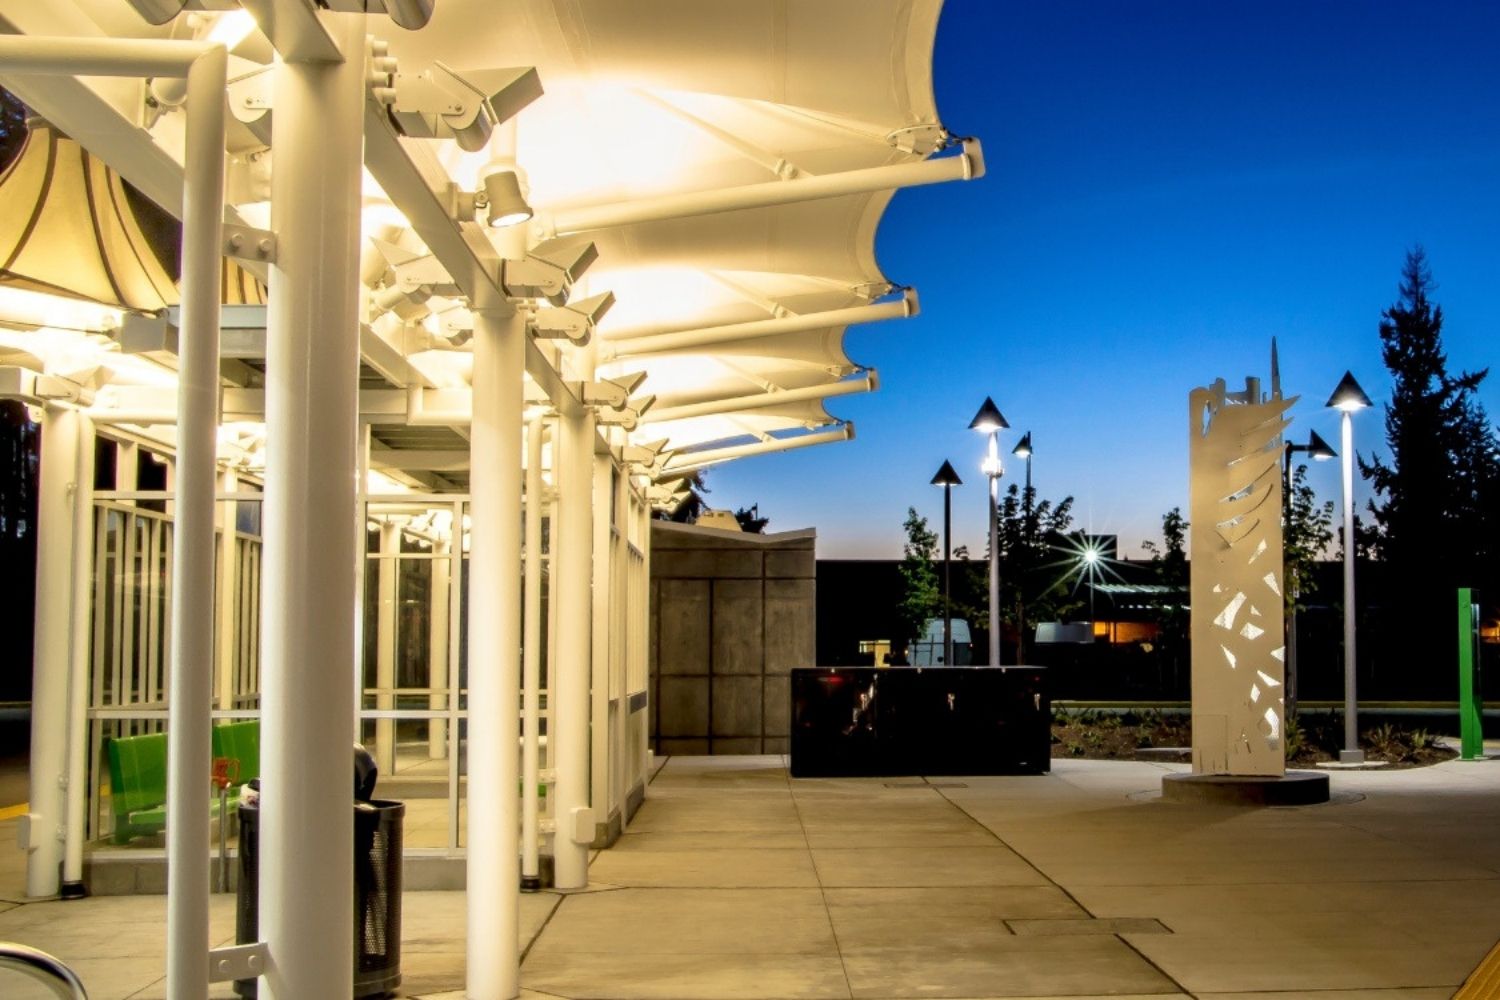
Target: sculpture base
(1296, 788)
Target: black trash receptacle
(377, 894)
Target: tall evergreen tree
(1434, 514)
(1437, 490)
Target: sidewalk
(736, 882)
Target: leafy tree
(692, 506)
(750, 520)
(1308, 534)
(1031, 588)
(1169, 571)
(923, 598)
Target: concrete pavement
(736, 882)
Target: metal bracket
(241, 961)
(246, 243)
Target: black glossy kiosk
(888, 721)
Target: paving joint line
(539, 931)
(817, 875)
(1073, 899)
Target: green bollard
(1470, 700)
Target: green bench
(138, 776)
(138, 785)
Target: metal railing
(45, 969)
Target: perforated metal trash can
(377, 894)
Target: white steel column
(82, 572)
(308, 621)
(603, 628)
(385, 643)
(46, 820)
(191, 666)
(1351, 753)
(531, 668)
(228, 594)
(437, 645)
(494, 876)
(568, 687)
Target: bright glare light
(25, 307)
(231, 28)
(1091, 556)
(992, 466)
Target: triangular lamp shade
(66, 229)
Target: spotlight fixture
(1023, 449)
(575, 321)
(440, 103)
(505, 205)
(548, 271)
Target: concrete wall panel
(737, 707)
(683, 616)
(684, 707)
(738, 624)
(731, 615)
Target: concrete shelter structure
(731, 615)
(527, 267)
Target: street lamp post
(1347, 398)
(1028, 509)
(1091, 564)
(990, 421)
(947, 478)
(1023, 450)
(1320, 451)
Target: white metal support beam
(868, 382)
(308, 622)
(568, 685)
(494, 875)
(202, 200)
(42, 830)
(82, 572)
(688, 462)
(708, 337)
(385, 643)
(967, 165)
(531, 667)
(411, 175)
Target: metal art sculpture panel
(1236, 564)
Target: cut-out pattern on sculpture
(1236, 562)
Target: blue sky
(1169, 185)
